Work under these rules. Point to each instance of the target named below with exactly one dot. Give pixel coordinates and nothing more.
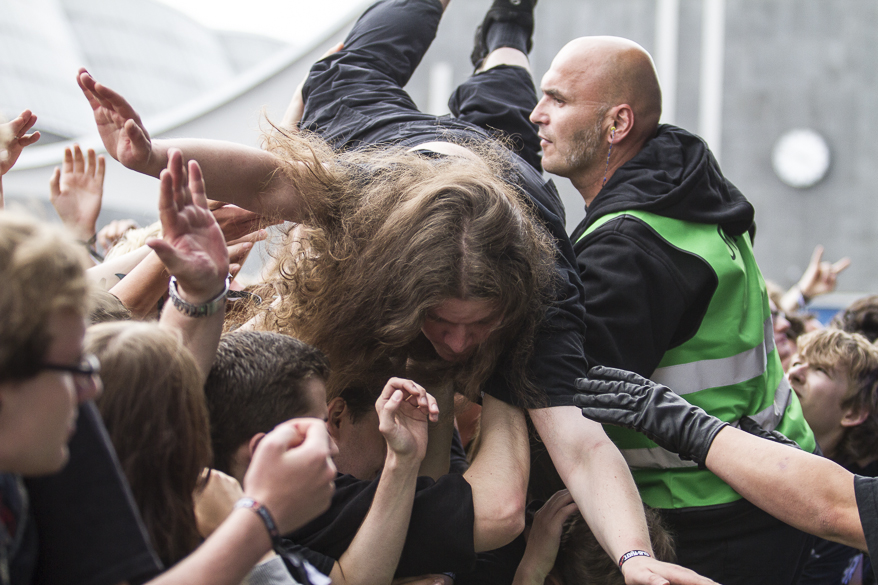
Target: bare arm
(598, 477)
(104, 274)
(248, 177)
(142, 287)
(194, 251)
(403, 411)
(809, 492)
(291, 474)
(499, 474)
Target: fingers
(196, 185)
(55, 184)
(816, 255)
(238, 252)
(136, 134)
(78, 160)
(334, 49)
(106, 96)
(432, 408)
(605, 373)
(164, 251)
(24, 122)
(92, 167)
(399, 390)
(29, 139)
(841, 265)
(290, 434)
(257, 236)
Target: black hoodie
(642, 295)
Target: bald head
(620, 71)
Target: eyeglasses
(87, 374)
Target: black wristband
(265, 515)
(631, 554)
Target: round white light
(800, 158)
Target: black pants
(738, 544)
(356, 96)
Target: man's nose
(536, 116)
(457, 338)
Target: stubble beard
(585, 147)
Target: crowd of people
(405, 395)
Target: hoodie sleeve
(642, 295)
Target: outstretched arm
(808, 492)
(194, 251)
(291, 475)
(598, 477)
(499, 474)
(404, 408)
(248, 177)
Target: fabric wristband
(631, 554)
(263, 513)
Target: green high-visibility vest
(730, 367)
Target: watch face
(801, 158)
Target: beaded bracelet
(263, 513)
(631, 554)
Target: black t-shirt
(866, 489)
(90, 532)
(440, 533)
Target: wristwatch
(204, 310)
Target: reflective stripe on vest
(695, 376)
(729, 367)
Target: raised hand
(193, 247)
(404, 410)
(113, 232)
(215, 501)
(76, 190)
(14, 137)
(820, 277)
(235, 222)
(544, 539)
(292, 473)
(119, 125)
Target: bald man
(672, 292)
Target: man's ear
(254, 442)
(621, 118)
(337, 411)
(855, 416)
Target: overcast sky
(293, 21)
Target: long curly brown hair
(389, 235)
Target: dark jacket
(642, 295)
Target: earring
(606, 170)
